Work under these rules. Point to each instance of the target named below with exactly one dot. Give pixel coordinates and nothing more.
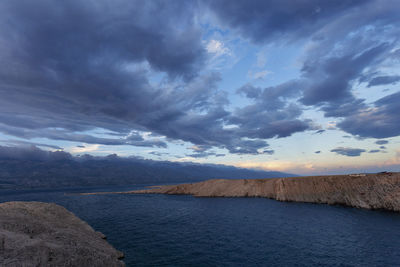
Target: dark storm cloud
(384, 80)
(336, 62)
(317, 152)
(57, 134)
(271, 115)
(202, 151)
(346, 41)
(202, 154)
(319, 132)
(205, 155)
(336, 73)
(249, 91)
(31, 153)
(74, 66)
(343, 108)
(381, 121)
(269, 152)
(256, 122)
(272, 20)
(274, 97)
(159, 154)
(374, 151)
(92, 34)
(29, 144)
(347, 151)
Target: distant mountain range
(35, 168)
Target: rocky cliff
(43, 234)
(371, 191)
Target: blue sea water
(163, 230)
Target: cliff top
(44, 234)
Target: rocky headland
(44, 234)
(369, 191)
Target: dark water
(160, 230)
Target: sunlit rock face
(370, 191)
(44, 234)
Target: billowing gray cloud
(76, 66)
(381, 142)
(383, 80)
(133, 139)
(202, 154)
(29, 144)
(205, 155)
(334, 65)
(31, 153)
(159, 154)
(273, 20)
(338, 57)
(250, 91)
(72, 67)
(381, 121)
(347, 151)
(107, 32)
(268, 152)
(131, 66)
(330, 78)
(270, 115)
(203, 151)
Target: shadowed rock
(44, 234)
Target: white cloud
(294, 167)
(84, 149)
(261, 58)
(331, 125)
(260, 74)
(217, 47)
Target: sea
(178, 230)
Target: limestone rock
(44, 234)
(370, 191)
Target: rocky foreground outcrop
(44, 234)
(370, 191)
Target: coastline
(368, 191)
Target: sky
(308, 87)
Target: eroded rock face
(371, 191)
(44, 234)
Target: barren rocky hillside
(43, 234)
(370, 191)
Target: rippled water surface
(161, 230)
